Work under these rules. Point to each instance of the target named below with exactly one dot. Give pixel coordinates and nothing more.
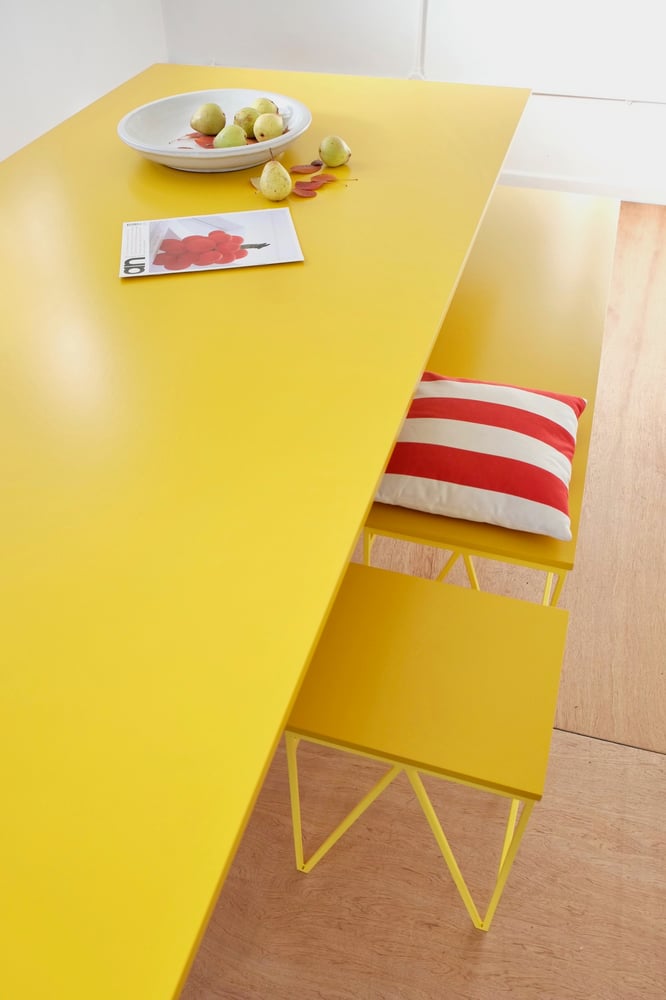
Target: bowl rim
(206, 154)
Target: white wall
(581, 48)
(57, 57)
(365, 37)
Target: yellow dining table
(186, 462)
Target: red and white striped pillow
(484, 451)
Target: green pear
(275, 181)
(264, 105)
(334, 151)
(231, 135)
(208, 119)
(268, 126)
(246, 118)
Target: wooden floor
(583, 916)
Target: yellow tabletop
(187, 461)
(490, 692)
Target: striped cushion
(484, 451)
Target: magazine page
(208, 242)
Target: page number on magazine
(134, 265)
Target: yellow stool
(440, 680)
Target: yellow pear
(334, 151)
(209, 119)
(231, 135)
(275, 181)
(268, 126)
(264, 105)
(246, 118)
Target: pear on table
(275, 181)
(334, 151)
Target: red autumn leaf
(303, 192)
(305, 168)
(205, 141)
(316, 182)
(306, 189)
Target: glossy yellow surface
(445, 679)
(187, 461)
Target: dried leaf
(304, 168)
(303, 192)
(254, 181)
(315, 183)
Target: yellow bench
(529, 310)
(467, 702)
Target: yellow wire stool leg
(507, 862)
(440, 837)
(291, 743)
(306, 866)
(511, 842)
(510, 828)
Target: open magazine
(208, 242)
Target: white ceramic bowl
(159, 130)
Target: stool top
(449, 680)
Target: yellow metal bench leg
(368, 539)
(469, 567)
(306, 866)
(558, 589)
(471, 572)
(511, 842)
(447, 567)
